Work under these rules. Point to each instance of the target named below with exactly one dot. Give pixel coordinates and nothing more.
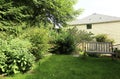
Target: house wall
(112, 29)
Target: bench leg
(113, 56)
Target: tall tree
(37, 11)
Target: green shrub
(103, 38)
(3, 59)
(39, 37)
(64, 43)
(10, 29)
(15, 56)
(81, 35)
(67, 41)
(3, 35)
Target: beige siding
(112, 29)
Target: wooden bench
(97, 48)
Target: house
(100, 24)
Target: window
(89, 26)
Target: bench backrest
(98, 47)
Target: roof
(95, 18)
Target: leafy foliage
(39, 37)
(81, 35)
(15, 56)
(103, 38)
(10, 14)
(37, 11)
(3, 35)
(3, 59)
(64, 43)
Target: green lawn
(69, 67)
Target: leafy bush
(15, 56)
(11, 30)
(103, 38)
(81, 35)
(3, 35)
(3, 59)
(39, 37)
(64, 43)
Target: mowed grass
(69, 67)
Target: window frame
(88, 26)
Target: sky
(106, 7)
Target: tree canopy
(37, 11)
